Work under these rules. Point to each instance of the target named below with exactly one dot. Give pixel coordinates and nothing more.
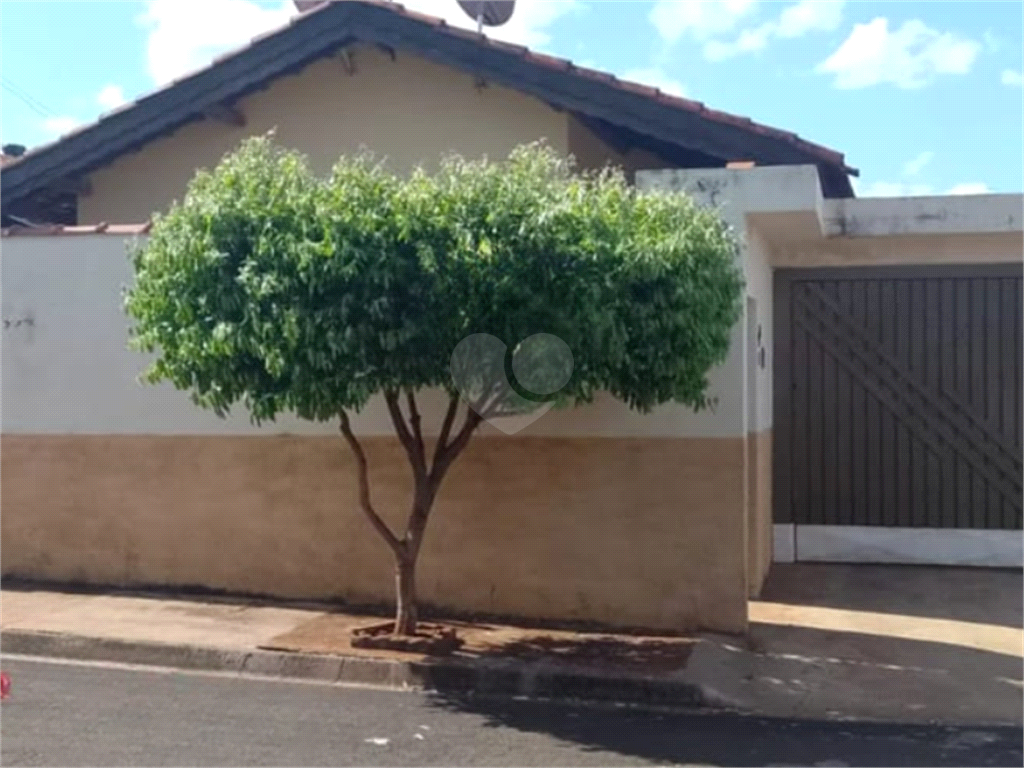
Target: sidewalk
(312, 644)
(827, 642)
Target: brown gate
(898, 396)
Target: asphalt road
(72, 714)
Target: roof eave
(318, 32)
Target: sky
(922, 97)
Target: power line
(34, 104)
(23, 92)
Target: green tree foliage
(280, 291)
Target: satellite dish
(493, 13)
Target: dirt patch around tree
(332, 634)
(430, 639)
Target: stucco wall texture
(597, 514)
(759, 509)
(625, 532)
(70, 371)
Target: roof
(327, 27)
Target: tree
(272, 288)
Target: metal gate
(898, 396)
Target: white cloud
(1012, 78)
(794, 21)
(699, 19)
(528, 25)
(185, 35)
(810, 16)
(901, 189)
(656, 77)
(970, 188)
(915, 166)
(910, 57)
(111, 97)
(748, 41)
(58, 126)
(892, 189)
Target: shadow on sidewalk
(983, 595)
(889, 646)
(736, 740)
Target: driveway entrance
(898, 413)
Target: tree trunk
(427, 481)
(405, 583)
(406, 614)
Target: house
(9, 152)
(58, 208)
(347, 74)
(840, 412)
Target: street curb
(452, 676)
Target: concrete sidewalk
(235, 636)
(222, 624)
(897, 643)
(827, 642)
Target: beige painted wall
(759, 510)
(410, 110)
(982, 248)
(624, 532)
(596, 513)
(592, 153)
(325, 112)
(731, 192)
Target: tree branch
(494, 405)
(449, 452)
(485, 397)
(413, 448)
(414, 420)
(446, 427)
(364, 488)
(397, 417)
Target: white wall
(931, 215)
(70, 372)
(789, 194)
(785, 222)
